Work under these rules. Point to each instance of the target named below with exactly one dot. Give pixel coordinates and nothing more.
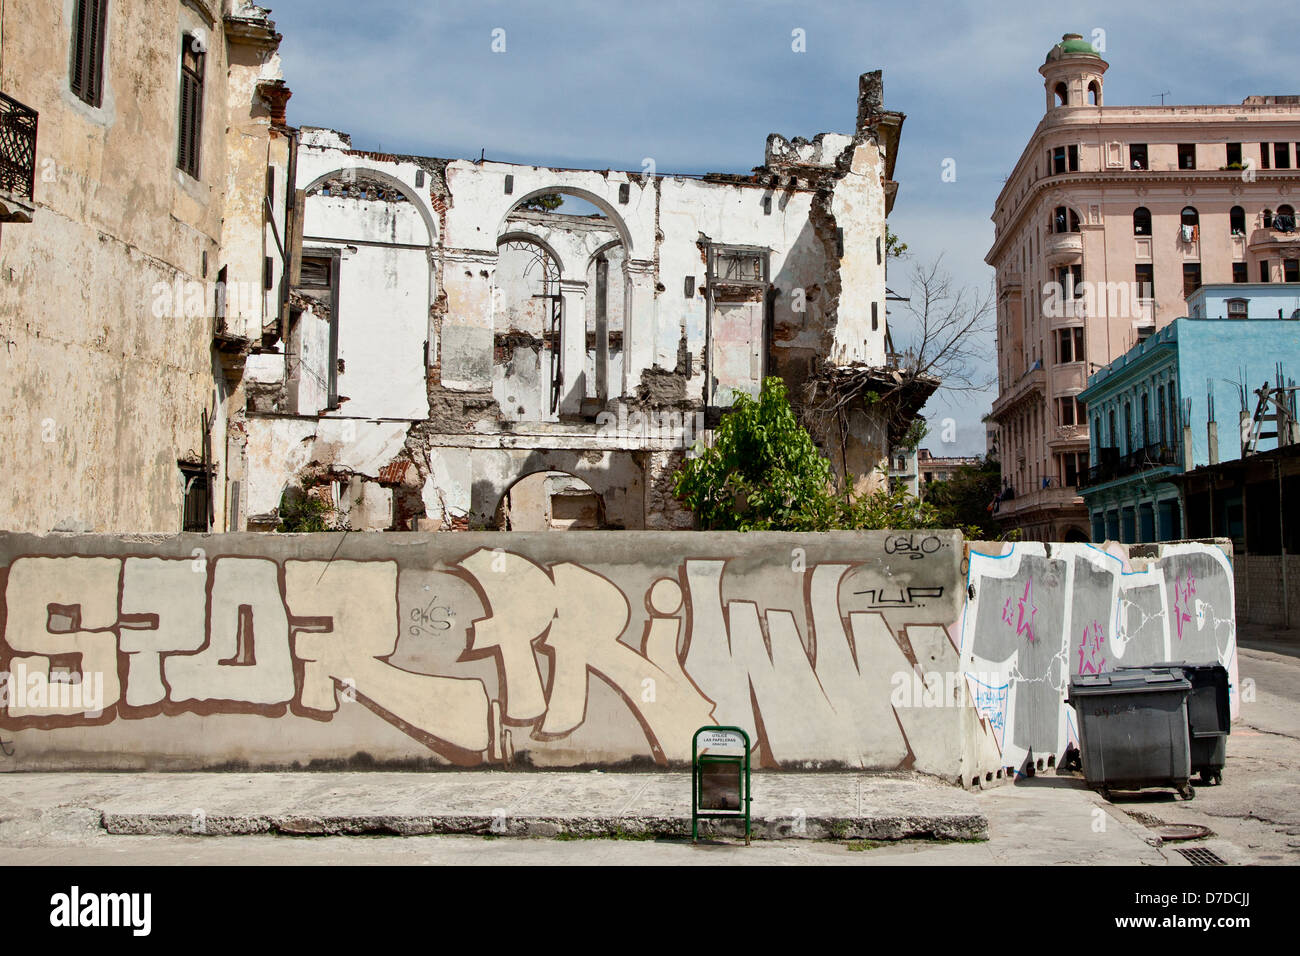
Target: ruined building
(463, 351)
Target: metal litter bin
(1209, 717)
(1133, 729)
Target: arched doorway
(550, 501)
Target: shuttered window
(191, 118)
(86, 73)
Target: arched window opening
(1062, 95)
(1237, 221)
(1189, 229)
(1141, 221)
(1284, 221)
(1094, 93)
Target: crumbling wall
(451, 290)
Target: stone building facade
(462, 353)
(1111, 216)
(143, 245)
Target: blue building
(1176, 401)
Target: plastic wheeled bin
(1133, 729)
(1209, 717)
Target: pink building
(1112, 215)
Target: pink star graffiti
(1183, 592)
(1024, 624)
(1092, 659)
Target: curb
(946, 827)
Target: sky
(698, 86)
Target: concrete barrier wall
(848, 650)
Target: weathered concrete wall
(867, 650)
(107, 297)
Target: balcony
(1050, 495)
(1113, 466)
(17, 160)
(1062, 247)
(1030, 386)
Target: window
(1069, 345)
(1072, 158)
(1191, 277)
(1173, 416)
(1160, 411)
(1263, 155)
(1186, 155)
(1263, 270)
(1234, 155)
(1237, 221)
(197, 502)
(191, 119)
(86, 73)
(1239, 272)
(1284, 221)
(1069, 411)
(1065, 220)
(1145, 276)
(1062, 95)
(1189, 225)
(1058, 160)
(1141, 221)
(1146, 420)
(1137, 155)
(1291, 270)
(1094, 93)
(1237, 308)
(1282, 155)
(1071, 281)
(1127, 444)
(1110, 422)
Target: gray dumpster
(1133, 729)
(1209, 718)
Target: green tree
(765, 473)
(894, 247)
(546, 202)
(964, 501)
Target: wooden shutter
(191, 108)
(88, 38)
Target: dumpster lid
(1128, 680)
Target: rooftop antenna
(1162, 96)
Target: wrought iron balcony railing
(1113, 465)
(17, 148)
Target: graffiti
(1086, 611)
(430, 618)
(1022, 622)
(1092, 649)
(913, 546)
(907, 597)
(523, 653)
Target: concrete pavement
(809, 806)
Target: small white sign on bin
(715, 740)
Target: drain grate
(1199, 856)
